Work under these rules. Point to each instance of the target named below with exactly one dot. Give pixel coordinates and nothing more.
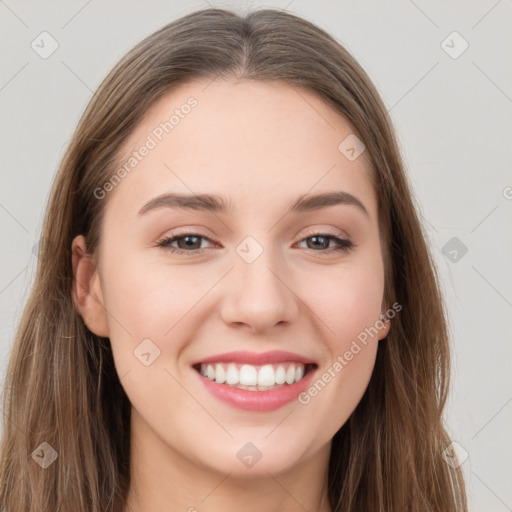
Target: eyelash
(344, 245)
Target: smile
(258, 382)
(253, 377)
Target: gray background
(453, 119)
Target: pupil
(319, 237)
(188, 238)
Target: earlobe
(87, 293)
(384, 326)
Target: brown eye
(188, 242)
(320, 242)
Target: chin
(257, 458)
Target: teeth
(254, 378)
(290, 374)
(220, 374)
(266, 376)
(248, 375)
(280, 374)
(231, 374)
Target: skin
(261, 146)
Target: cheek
(348, 306)
(347, 300)
(149, 297)
(151, 317)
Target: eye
(322, 241)
(191, 243)
(188, 241)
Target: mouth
(253, 381)
(252, 377)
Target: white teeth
(254, 378)
(248, 375)
(220, 374)
(231, 374)
(290, 374)
(280, 375)
(266, 376)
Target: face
(199, 302)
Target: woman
(234, 304)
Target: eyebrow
(218, 204)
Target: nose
(259, 295)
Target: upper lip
(256, 358)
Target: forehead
(258, 144)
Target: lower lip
(257, 400)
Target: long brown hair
(62, 387)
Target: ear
(386, 323)
(384, 331)
(87, 293)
